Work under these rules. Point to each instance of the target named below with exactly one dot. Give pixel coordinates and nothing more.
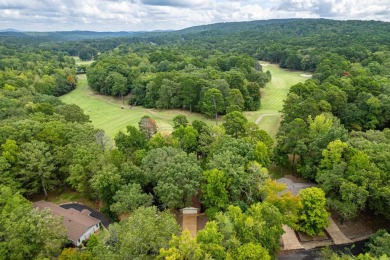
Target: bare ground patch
(365, 225)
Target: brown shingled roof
(75, 222)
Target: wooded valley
(334, 133)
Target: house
(79, 224)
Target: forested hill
(273, 40)
(63, 35)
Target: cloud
(339, 9)
(135, 15)
(176, 3)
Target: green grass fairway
(82, 62)
(106, 112)
(273, 96)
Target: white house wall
(87, 234)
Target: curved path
(267, 114)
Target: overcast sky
(139, 15)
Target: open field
(109, 114)
(81, 62)
(106, 112)
(273, 96)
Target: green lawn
(273, 96)
(107, 113)
(112, 116)
(82, 62)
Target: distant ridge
(9, 30)
(75, 35)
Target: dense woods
(334, 131)
(160, 77)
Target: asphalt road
(313, 254)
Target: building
(79, 224)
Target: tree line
(163, 78)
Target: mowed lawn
(110, 115)
(82, 62)
(273, 96)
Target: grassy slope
(272, 97)
(82, 62)
(106, 113)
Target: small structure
(190, 219)
(79, 224)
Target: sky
(148, 15)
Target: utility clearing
(111, 115)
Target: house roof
(76, 222)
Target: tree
(148, 125)
(140, 236)
(235, 124)
(75, 254)
(213, 103)
(187, 137)
(159, 141)
(251, 251)
(314, 217)
(379, 244)
(72, 113)
(211, 240)
(103, 141)
(129, 198)
(235, 99)
(132, 141)
(36, 166)
(183, 247)
(349, 178)
(117, 83)
(84, 164)
(214, 191)
(180, 120)
(178, 180)
(27, 233)
(260, 224)
(262, 154)
(289, 205)
(168, 95)
(106, 183)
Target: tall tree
(36, 166)
(235, 101)
(213, 103)
(314, 217)
(27, 233)
(140, 236)
(129, 197)
(235, 124)
(148, 125)
(118, 84)
(178, 180)
(214, 191)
